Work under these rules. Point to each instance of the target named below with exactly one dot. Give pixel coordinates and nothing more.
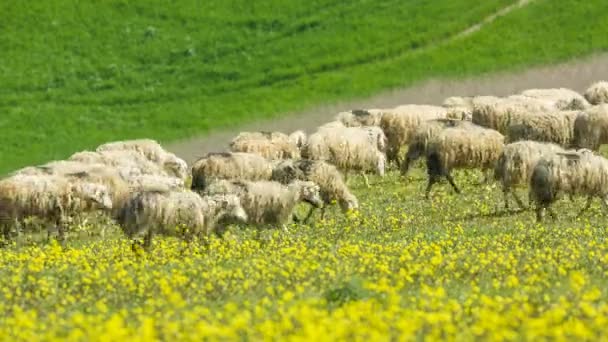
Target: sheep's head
(309, 192)
(95, 193)
(348, 203)
(231, 204)
(380, 163)
(298, 138)
(175, 165)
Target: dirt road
(577, 75)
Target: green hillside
(74, 75)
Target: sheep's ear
(359, 112)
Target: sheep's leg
(312, 209)
(285, 229)
(520, 203)
(365, 179)
(147, 240)
(432, 180)
(585, 208)
(505, 195)
(539, 213)
(450, 179)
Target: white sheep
(426, 132)
(500, 113)
(461, 147)
(270, 145)
(553, 126)
(48, 197)
(130, 161)
(400, 123)
(563, 98)
(331, 185)
(573, 173)
(231, 166)
(349, 149)
(516, 163)
(152, 150)
(591, 128)
(268, 202)
(298, 138)
(360, 117)
(597, 93)
(183, 214)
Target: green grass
(75, 75)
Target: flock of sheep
(541, 138)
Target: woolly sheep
(271, 145)
(183, 214)
(597, 93)
(554, 126)
(516, 163)
(426, 132)
(349, 149)
(461, 147)
(563, 98)
(48, 197)
(269, 202)
(572, 172)
(591, 128)
(152, 150)
(498, 114)
(400, 123)
(360, 117)
(130, 161)
(231, 166)
(326, 176)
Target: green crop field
(74, 74)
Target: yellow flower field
(455, 268)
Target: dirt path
(577, 75)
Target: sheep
(563, 98)
(426, 132)
(183, 214)
(572, 172)
(48, 197)
(591, 128)
(400, 123)
(374, 133)
(271, 145)
(498, 114)
(298, 138)
(231, 166)
(553, 126)
(360, 117)
(461, 147)
(597, 93)
(269, 202)
(153, 151)
(326, 176)
(349, 149)
(151, 181)
(516, 163)
(130, 162)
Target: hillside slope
(76, 75)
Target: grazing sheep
(298, 138)
(360, 117)
(516, 163)
(326, 176)
(270, 145)
(152, 150)
(574, 173)
(231, 166)
(591, 128)
(555, 126)
(597, 93)
(426, 132)
(268, 202)
(48, 197)
(461, 147)
(499, 114)
(130, 161)
(349, 149)
(183, 214)
(563, 98)
(153, 181)
(400, 123)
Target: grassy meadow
(402, 268)
(75, 74)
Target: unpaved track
(577, 75)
